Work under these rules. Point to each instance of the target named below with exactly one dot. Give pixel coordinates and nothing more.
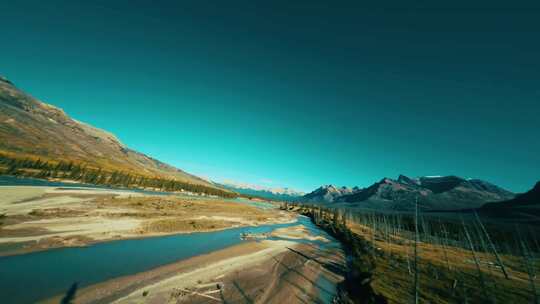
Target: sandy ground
(268, 271)
(252, 272)
(37, 218)
(20, 193)
(296, 233)
(160, 292)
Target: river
(30, 277)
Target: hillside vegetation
(31, 129)
(85, 173)
(416, 258)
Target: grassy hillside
(32, 130)
(407, 258)
(77, 171)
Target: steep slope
(529, 198)
(384, 190)
(31, 128)
(524, 207)
(327, 193)
(443, 193)
(440, 184)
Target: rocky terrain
(433, 193)
(327, 193)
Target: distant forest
(84, 173)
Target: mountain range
(328, 194)
(30, 128)
(524, 206)
(285, 194)
(432, 192)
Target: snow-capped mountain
(432, 192)
(283, 193)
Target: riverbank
(40, 218)
(147, 248)
(269, 271)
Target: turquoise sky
(298, 95)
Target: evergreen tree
(38, 164)
(12, 170)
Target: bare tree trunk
(534, 239)
(416, 252)
(476, 261)
(444, 244)
(373, 231)
(528, 264)
(490, 272)
(493, 248)
(387, 236)
(409, 262)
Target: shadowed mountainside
(442, 193)
(327, 193)
(525, 206)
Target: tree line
(467, 259)
(356, 288)
(38, 168)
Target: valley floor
(39, 218)
(291, 264)
(269, 271)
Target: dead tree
(416, 252)
(444, 244)
(493, 248)
(476, 260)
(529, 266)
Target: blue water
(327, 289)
(34, 276)
(7, 180)
(258, 204)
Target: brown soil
(290, 276)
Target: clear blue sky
(298, 95)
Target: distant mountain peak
(327, 193)
(386, 180)
(438, 191)
(283, 193)
(407, 180)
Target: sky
(293, 93)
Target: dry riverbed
(269, 271)
(38, 218)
